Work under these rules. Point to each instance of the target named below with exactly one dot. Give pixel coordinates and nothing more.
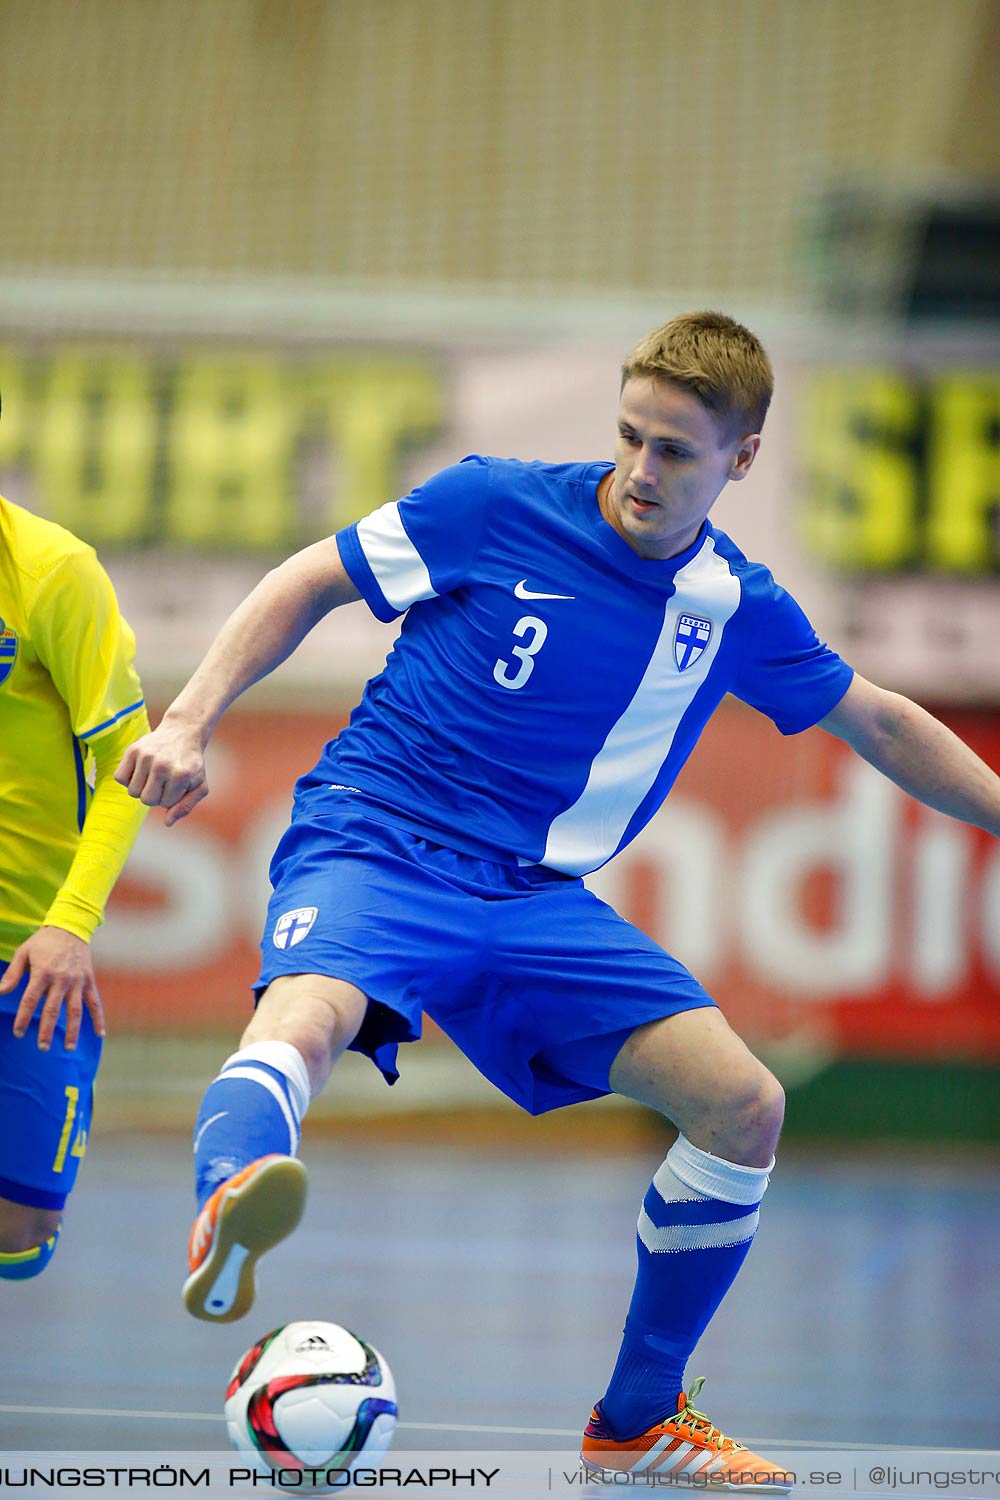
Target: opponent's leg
(256, 1104)
(581, 973)
(28, 1239)
(696, 1225)
(251, 1188)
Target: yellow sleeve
(109, 830)
(86, 646)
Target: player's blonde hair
(714, 357)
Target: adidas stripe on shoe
(684, 1449)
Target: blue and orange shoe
(246, 1215)
(684, 1449)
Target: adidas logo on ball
(310, 1396)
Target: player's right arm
(167, 767)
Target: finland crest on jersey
(692, 635)
(292, 926)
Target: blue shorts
(535, 979)
(46, 1103)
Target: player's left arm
(916, 751)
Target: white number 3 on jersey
(528, 625)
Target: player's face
(672, 460)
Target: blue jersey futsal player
(70, 703)
(569, 628)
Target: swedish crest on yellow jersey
(8, 650)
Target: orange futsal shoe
(246, 1215)
(683, 1450)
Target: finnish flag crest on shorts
(692, 635)
(292, 926)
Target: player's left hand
(61, 968)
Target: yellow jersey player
(70, 705)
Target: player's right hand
(166, 768)
(61, 973)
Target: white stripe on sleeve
(399, 569)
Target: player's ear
(744, 456)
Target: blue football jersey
(548, 683)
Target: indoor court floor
(868, 1312)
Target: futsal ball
(310, 1397)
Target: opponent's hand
(62, 970)
(166, 768)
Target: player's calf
(317, 1015)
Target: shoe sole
(252, 1218)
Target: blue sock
(254, 1108)
(696, 1225)
(21, 1265)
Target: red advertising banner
(822, 907)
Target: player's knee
(741, 1121)
(757, 1112)
(25, 1261)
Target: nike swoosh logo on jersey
(521, 591)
